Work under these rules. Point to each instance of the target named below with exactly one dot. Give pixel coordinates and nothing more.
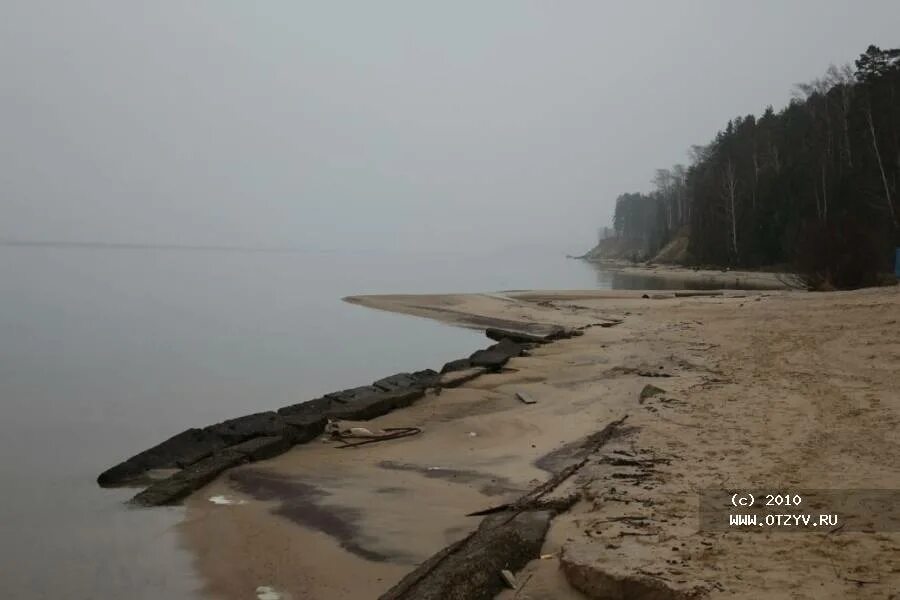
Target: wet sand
(782, 390)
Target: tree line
(815, 185)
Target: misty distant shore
(148, 246)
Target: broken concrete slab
(457, 378)
(305, 426)
(497, 355)
(491, 358)
(369, 406)
(261, 448)
(459, 364)
(309, 409)
(401, 381)
(395, 382)
(355, 404)
(344, 396)
(271, 432)
(190, 479)
(520, 337)
(193, 445)
(178, 451)
(235, 431)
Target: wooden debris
(468, 568)
(525, 398)
(391, 433)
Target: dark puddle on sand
(303, 503)
(306, 504)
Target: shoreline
(718, 278)
(375, 513)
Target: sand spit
(777, 390)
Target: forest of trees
(815, 185)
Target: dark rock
(193, 445)
(235, 431)
(457, 378)
(457, 365)
(356, 404)
(545, 334)
(178, 451)
(470, 569)
(363, 407)
(192, 478)
(395, 382)
(305, 427)
(262, 448)
(344, 396)
(293, 424)
(494, 357)
(426, 377)
(317, 407)
(402, 381)
(520, 337)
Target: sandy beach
(779, 390)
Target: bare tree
(842, 77)
(887, 188)
(679, 173)
(729, 191)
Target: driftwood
(392, 433)
(468, 569)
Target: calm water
(104, 352)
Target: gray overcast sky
(381, 125)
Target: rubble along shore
(199, 455)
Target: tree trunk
(731, 198)
(884, 181)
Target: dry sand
(780, 390)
